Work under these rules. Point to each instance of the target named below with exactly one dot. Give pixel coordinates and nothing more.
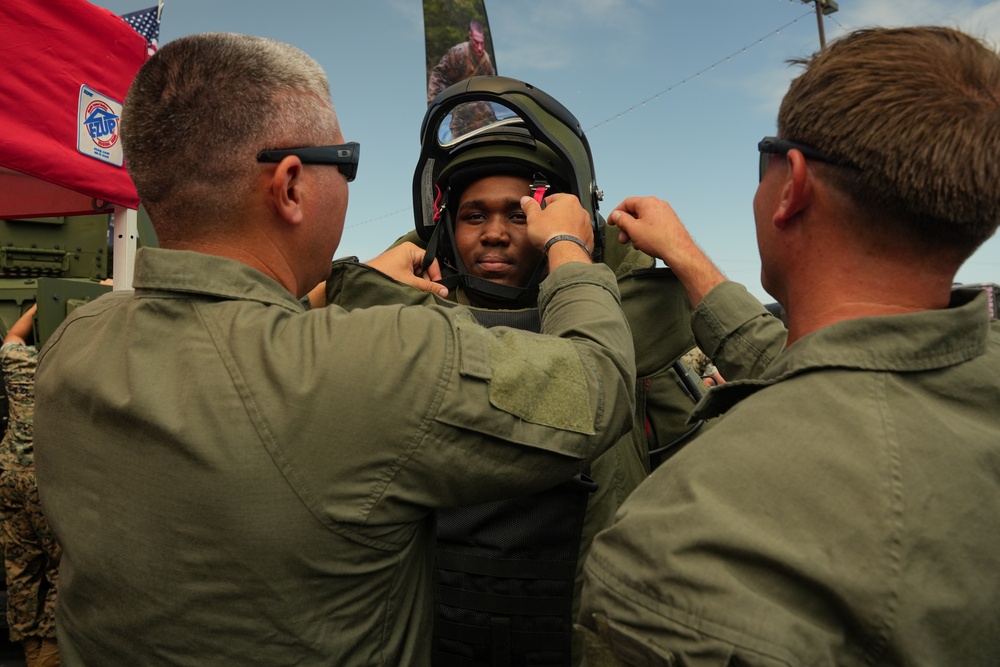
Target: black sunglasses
(344, 156)
(769, 146)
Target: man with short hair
(844, 509)
(238, 480)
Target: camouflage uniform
(31, 553)
(459, 64)
(699, 362)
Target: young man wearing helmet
(507, 571)
(490, 233)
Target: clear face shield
(467, 119)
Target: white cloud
(983, 22)
(544, 43)
(978, 18)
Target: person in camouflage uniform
(30, 552)
(462, 61)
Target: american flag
(147, 23)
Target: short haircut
(200, 110)
(916, 112)
(475, 26)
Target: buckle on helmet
(538, 188)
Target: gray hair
(200, 110)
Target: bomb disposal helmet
(490, 125)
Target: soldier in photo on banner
(460, 62)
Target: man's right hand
(562, 215)
(653, 227)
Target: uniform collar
(190, 272)
(923, 341)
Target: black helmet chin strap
(455, 274)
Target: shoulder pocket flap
(541, 380)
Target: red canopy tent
(66, 67)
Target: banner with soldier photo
(457, 41)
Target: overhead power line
(638, 105)
(698, 73)
(381, 217)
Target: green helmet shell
(492, 124)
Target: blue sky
(673, 94)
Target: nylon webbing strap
(432, 249)
(493, 603)
(526, 320)
(519, 640)
(500, 631)
(519, 569)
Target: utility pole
(823, 7)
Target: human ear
(286, 189)
(797, 191)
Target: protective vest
(506, 570)
(507, 579)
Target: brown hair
(916, 113)
(200, 110)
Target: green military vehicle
(58, 261)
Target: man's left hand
(403, 262)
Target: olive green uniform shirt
(617, 471)
(843, 511)
(237, 480)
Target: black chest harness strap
(506, 570)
